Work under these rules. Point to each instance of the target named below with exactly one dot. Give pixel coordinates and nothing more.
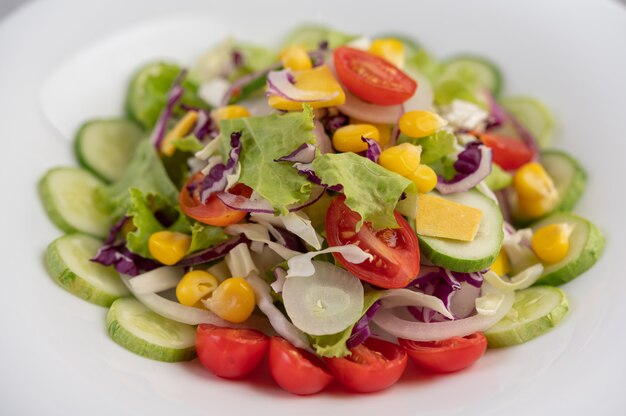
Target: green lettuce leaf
(498, 178)
(263, 140)
(204, 236)
(370, 189)
(425, 64)
(142, 209)
(145, 173)
(188, 143)
(335, 345)
(434, 147)
(310, 36)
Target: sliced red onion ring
(469, 181)
(321, 138)
(438, 331)
(281, 83)
(305, 153)
(357, 108)
(241, 203)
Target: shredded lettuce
(335, 345)
(188, 144)
(264, 140)
(498, 178)
(142, 212)
(370, 189)
(204, 236)
(425, 64)
(144, 173)
(434, 147)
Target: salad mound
(339, 204)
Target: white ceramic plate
(64, 61)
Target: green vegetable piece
(536, 311)
(476, 73)
(370, 189)
(138, 329)
(434, 147)
(498, 178)
(264, 140)
(69, 197)
(147, 93)
(189, 144)
(335, 345)
(533, 115)
(147, 174)
(68, 260)
(106, 147)
(142, 211)
(569, 177)
(425, 64)
(448, 91)
(204, 236)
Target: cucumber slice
(586, 246)
(68, 197)
(474, 72)
(105, 147)
(568, 176)
(536, 310)
(468, 256)
(68, 261)
(138, 329)
(533, 115)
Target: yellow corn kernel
(531, 181)
(194, 286)
(233, 300)
(183, 127)
(420, 123)
(551, 243)
(389, 49)
(403, 159)
(501, 265)
(296, 58)
(384, 130)
(228, 112)
(348, 138)
(425, 178)
(168, 247)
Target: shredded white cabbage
(209, 150)
(214, 90)
(240, 262)
(157, 280)
(256, 232)
(465, 115)
(522, 280)
(302, 265)
(296, 222)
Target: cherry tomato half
(372, 78)
(446, 356)
(508, 153)
(230, 352)
(213, 211)
(374, 365)
(396, 251)
(296, 371)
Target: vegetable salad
(339, 204)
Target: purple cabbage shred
(373, 149)
(361, 330)
(174, 95)
(216, 180)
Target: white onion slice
(279, 322)
(187, 314)
(302, 264)
(280, 83)
(394, 298)
(241, 203)
(321, 138)
(424, 95)
(240, 262)
(463, 303)
(157, 280)
(256, 232)
(438, 331)
(522, 280)
(383, 114)
(325, 303)
(295, 222)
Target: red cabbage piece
(305, 153)
(306, 170)
(213, 253)
(473, 165)
(174, 95)
(373, 149)
(216, 180)
(361, 330)
(115, 253)
(291, 240)
(332, 122)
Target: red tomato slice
(396, 251)
(446, 356)
(508, 153)
(214, 211)
(296, 371)
(229, 352)
(372, 78)
(374, 365)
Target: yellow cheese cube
(318, 79)
(438, 217)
